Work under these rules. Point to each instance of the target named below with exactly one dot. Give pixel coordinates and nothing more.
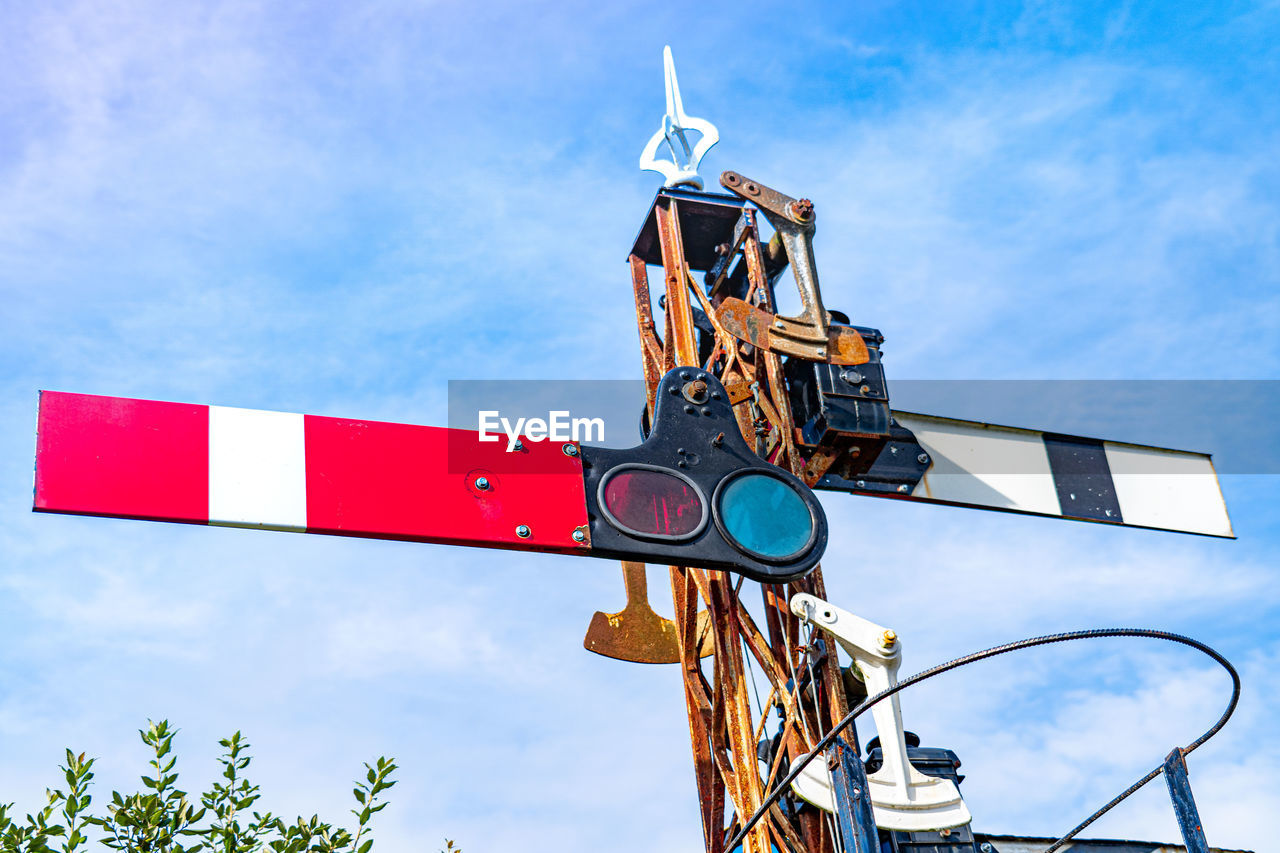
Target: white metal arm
(902, 797)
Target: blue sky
(336, 208)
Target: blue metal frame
(853, 800)
(1184, 804)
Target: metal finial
(682, 168)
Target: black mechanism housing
(832, 403)
(846, 410)
(695, 437)
(931, 761)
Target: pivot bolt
(696, 391)
(888, 639)
(802, 209)
(482, 483)
(569, 449)
(523, 531)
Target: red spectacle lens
(653, 503)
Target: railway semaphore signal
(747, 412)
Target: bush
(161, 819)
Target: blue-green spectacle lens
(765, 516)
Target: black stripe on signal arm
(1083, 478)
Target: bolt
(888, 639)
(718, 440)
(523, 531)
(682, 464)
(519, 445)
(861, 484)
(802, 209)
(779, 324)
(865, 389)
(482, 483)
(903, 488)
(923, 458)
(987, 848)
(822, 353)
(579, 536)
(722, 249)
(569, 449)
(696, 391)
(853, 377)
(832, 761)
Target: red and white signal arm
(693, 493)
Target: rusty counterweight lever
(810, 335)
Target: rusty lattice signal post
(683, 231)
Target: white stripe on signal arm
(257, 469)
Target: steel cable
(1092, 634)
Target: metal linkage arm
(902, 797)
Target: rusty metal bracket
(809, 335)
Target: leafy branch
(161, 819)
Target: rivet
(684, 374)
(861, 484)
(569, 449)
(579, 536)
(689, 410)
(903, 488)
(923, 458)
(706, 412)
(482, 483)
(865, 389)
(523, 531)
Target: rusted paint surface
(682, 348)
(723, 729)
(843, 345)
(635, 633)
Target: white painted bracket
(902, 798)
(683, 167)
